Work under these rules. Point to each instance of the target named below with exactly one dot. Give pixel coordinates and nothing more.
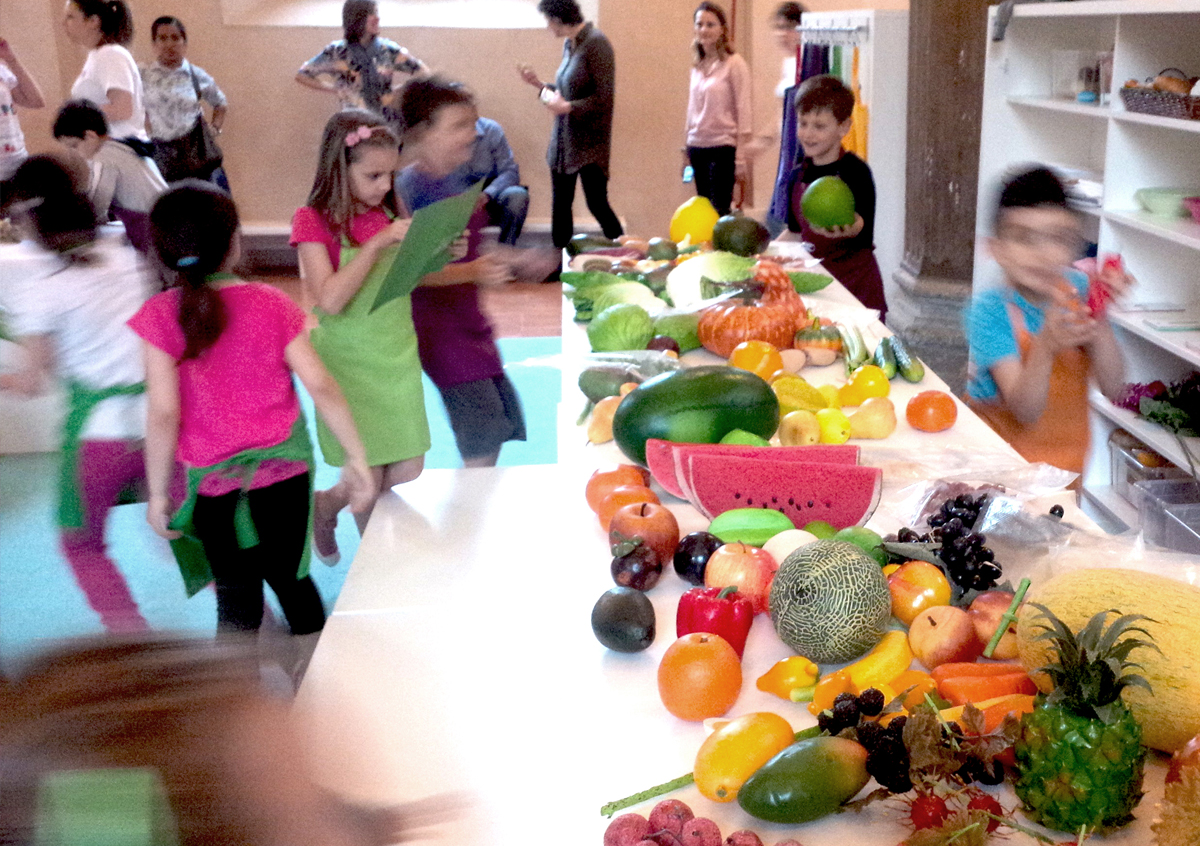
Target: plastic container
(1181, 528)
(1152, 498)
(1131, 461)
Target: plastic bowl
(1162, 202)
(1193, 205)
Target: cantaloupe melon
(1170, 714)
(829, 601)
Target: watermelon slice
(667, 460)
(840, 494)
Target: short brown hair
(825, 92)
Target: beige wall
(274, 124)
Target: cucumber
(885, 357)
(908, 365)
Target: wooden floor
(517, 310)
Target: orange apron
(1060, 436)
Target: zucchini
(885, 357)
(908, 365)
(854, 348)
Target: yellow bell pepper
(790, 677)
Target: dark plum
(638, 569)
(692, 554)
(663, 342)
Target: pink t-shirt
(238, 394)
(309, 225)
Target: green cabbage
(693, 280)
(626, 292)
(624, 326)
(681, 326)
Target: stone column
(947, 45)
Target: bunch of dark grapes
(968, 562)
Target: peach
(986, 611)
(915, 586)
(942, 634)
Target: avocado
(741, 235)
(662, 249)
(623, 620)
(604, 381)
(583, 242)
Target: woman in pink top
(718, 115)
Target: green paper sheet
(424, 248)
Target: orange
(931, 411)
(620, 496)
(603, 481)
(759, 357)
(699, 677)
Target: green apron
(189, 550)
(373, 356)
(81, 401)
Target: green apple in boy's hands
(841, 231)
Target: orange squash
(725, 325)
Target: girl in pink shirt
(220, 354)
(719, 125)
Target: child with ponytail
(220, 353)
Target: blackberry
(896, 727)
(888, 764)
(870, 734)
(845, 709)
(870, 702)
(827, 722)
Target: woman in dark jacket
(581, 99)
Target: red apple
(915, 586)
(653, 523)
(986, 611)
(942, 634)
(747, 567)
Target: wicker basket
(1148, 101)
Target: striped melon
(829, 601)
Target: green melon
(829, 601)
(828, 202)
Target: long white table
(460, 655)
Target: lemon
(835, 426)
(694, 220)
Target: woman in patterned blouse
(363, 70)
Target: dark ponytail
(45, 193)
(192, 227)
(116, 22)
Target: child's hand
(1116, 279)
(158, 515)
(841, 231)
(394, 233)
(458, 248)
(1067, 325)
(488, 270)
(360, 484)
(556, 103)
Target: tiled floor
(517, 310)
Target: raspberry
(984, 802)
(928, 811)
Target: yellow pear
(875, 418)
(799, 428)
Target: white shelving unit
(1024, 123)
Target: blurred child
(1034, 345)
(70, 322)
(124, 180)
(824, 106)
(220, 354)
(171, 741)
(457, 346)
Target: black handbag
(195, 154)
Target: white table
(460, 655)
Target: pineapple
(1079, 753)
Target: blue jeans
(508, 210)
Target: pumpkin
(722, 327)
(820, 343)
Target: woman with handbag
(184, 142)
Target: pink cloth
(718, 112)
(309, 225)
(238, 394)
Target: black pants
(715, 170)
(280, 514)
(595, 191)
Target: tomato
(931, 411)
(759, 357)
(699, 676)
(866, 382)
(747, 567)
(733, 752)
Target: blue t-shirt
(990, 335)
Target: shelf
(1154, 120)
(1067, 106)
(1108, 8)
(1090, 209)
(1176, 343)
(1152, 435)
(1112, 506)
(1180, 230)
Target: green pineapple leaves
(1092, 665)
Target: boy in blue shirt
(1034, 342)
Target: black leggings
(595, 191)
(280, 514)
(716, 170)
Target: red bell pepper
(720, 611)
